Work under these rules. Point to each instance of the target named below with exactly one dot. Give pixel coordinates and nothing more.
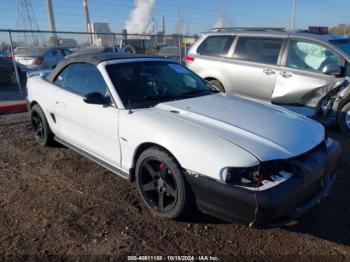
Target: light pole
(87, 21)
(293, 13)
(51, 16)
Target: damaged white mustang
(153, 120)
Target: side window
(59, 80)
(310, 56)
(215, 45)
(60, 54)
(82, 79)
(260, 50)
(66, 52)
(347, 69)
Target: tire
(217, 85)
(13, 78)
(22, 76)
(344, 119)
(157, 173)
(129, 49)
(41, 129)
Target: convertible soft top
(91, 59)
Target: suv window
(59, 53)
(260, 50)
(310, 56)
(66, 52)
(82, 79)
(215, 45)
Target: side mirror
(332, 69)
(96, 99)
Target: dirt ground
(54, 202)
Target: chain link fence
(25, 51)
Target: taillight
(189, 58)
(9, 55)
(38, 61)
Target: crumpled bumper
(288, 200)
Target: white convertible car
(186, 145)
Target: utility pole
(87, 21)
(163, 25)
(51, 16)
(178, 20)
(179, 32)
(293, 13)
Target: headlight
(248, 176)
(254, 176)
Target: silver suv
(304, 71)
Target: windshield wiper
(149, 98)
(164, 98)
(199, 91)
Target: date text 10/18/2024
(173, 258)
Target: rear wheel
(13, 78)
(161, 183)
(129, 49)
(42, 132)
(217, 85)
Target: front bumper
(285, 201)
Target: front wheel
(344, 119)
(161, 183)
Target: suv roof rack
(278, 29)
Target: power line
(26, 20)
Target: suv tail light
(9, 55)
(189, 58)
(38, 61)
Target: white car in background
(39, 58)
(153, 120)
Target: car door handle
(286, 75)
(61, 104)
(268, 71)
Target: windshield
(145, 84)
(342, 44)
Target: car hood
(266, 131)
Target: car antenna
(129, 107)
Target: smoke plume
(140, 17)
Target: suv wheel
(42, 132)
(344, 119)
(129, 49)
(161, 183)
(217, 85)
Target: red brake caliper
(161, 166)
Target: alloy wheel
(158, 185)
